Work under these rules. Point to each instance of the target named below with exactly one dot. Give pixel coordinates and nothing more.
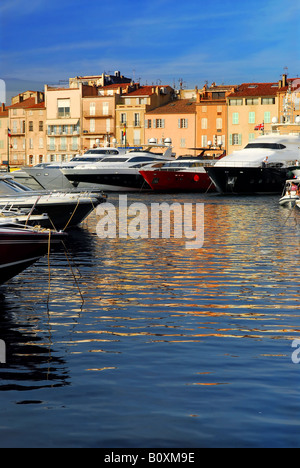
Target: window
(268, 101)
(204, 124)
(235, 118)
(92, 125)
(105, 108)
(204, 141)
(63, 144)
(182, 123)
(74, 144)
(41, 143)
(251, 136)
(219, 124)
(123, 118)
(137, 120)
(31, 126)
(148, 123)
(107, 125)
(252, 102)
(64, 107)
(182, 143)
(267, 117)
(159, 123)
(204, 108)
(236, 139)
(235, 102)
(137, 137)
(92, 108)
(41, 126)
(251, 117)
(52, 144)
(15, 143)
(30, 143)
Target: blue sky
(154, 41)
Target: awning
(63, 122)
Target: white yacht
(119, 173)
(50, 177)
(64, 210)
(263, 166)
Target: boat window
(16, 186)
(275, 146)
(114, 160)
(141, 159)
(104, 152)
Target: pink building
(175, 121)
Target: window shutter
(230, 139)
(163, 123)
(146, 123)
(240, 138)
(154, 123)
(179, 123)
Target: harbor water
(145, 344)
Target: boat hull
(110, 181)
(238, 180)
(178, 181)
(60, 215)
(19, 249)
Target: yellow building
(63, 121)
(130, 113)
(4, 125)
(99, 114)
(250, 108)
(26, 120)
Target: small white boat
(291, 193)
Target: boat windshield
(275, 146)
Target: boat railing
(257, 164)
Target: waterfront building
(26, 121)
(99, 81)
(288, 106)
(251, 109)
(175, 121)
(63, 121)
(3, 132)
(99, 112)
(130, 112)
(211, 118)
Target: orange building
(175, 121)
(211, 110)
(26, 120)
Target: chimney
(3, 107)
(284, 80)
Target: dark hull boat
(20, 248)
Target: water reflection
(161, 329)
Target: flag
(9, 133)
(260, 127)
(124, 131)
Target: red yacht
(185, 174)
(21, 247)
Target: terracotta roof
(145, 91)
(182, 106)
(3, 113)
(28, 104)
(255, 89)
